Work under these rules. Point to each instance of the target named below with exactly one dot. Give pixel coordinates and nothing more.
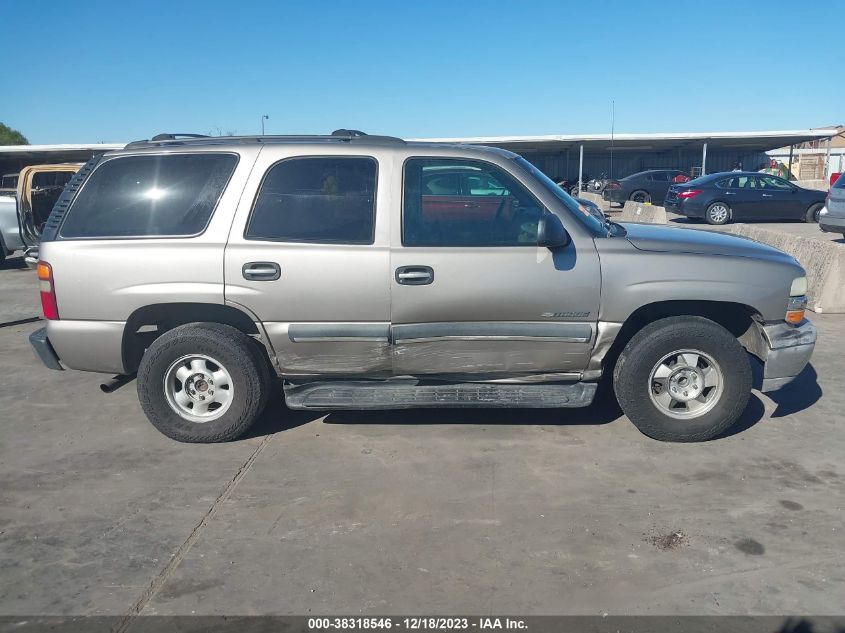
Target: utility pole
(264, 117)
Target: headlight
(799, 287)
(823, 211)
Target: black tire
(640, 195)
(714, 214)
(633, 374)
(229, 348)
(812, 214)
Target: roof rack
(340, 136)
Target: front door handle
(261, 271)
(414, 275)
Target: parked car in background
(741, 195)
(832, 216)
(368, 272)
(645, 186)
(24, 210)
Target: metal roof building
(619, 155)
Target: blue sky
(127, 70)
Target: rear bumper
(787, 351)
(44, 350)
(831, 224)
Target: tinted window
(770, 182)
(150, 195)
(321, 199)
(442, 184)
(51, 179)
(660, 176)
(739, 182)
(490, 208)
(840, 182)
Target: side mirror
(550, 232)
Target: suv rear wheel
(203, 382)
(683, 379)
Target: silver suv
(368, 272)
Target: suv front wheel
(203, 382)
(683, 379)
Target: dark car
(645, 186)
(741, 195)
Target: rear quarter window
(152, 195)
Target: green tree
(8, 136)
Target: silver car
(832, 216)
(367, 272)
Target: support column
(704, 160)
(827, 169)
(789, 167)
(580, 169)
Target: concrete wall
(646, 213)
(824, 262)
(592, 197)
(821, 185)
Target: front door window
(466, 203)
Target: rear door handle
(767, 195)
(261, 271)
(414, 275)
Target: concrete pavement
(534, 512)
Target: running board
(371, 394)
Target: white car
(832, 217)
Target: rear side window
(840, 182)
(149, 196)
(323, 200)
(659, 176)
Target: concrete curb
(644, 213)
(592, 197)
(819, 185)
(824, 262)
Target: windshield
(576, 209)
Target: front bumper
(43, 350)
(784, 349)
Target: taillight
(48, 291)
(613, 185)
(689, 193)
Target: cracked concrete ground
(528, 512)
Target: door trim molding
(492, 331)
(339, 332)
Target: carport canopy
(656, 143)
(13, 158)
